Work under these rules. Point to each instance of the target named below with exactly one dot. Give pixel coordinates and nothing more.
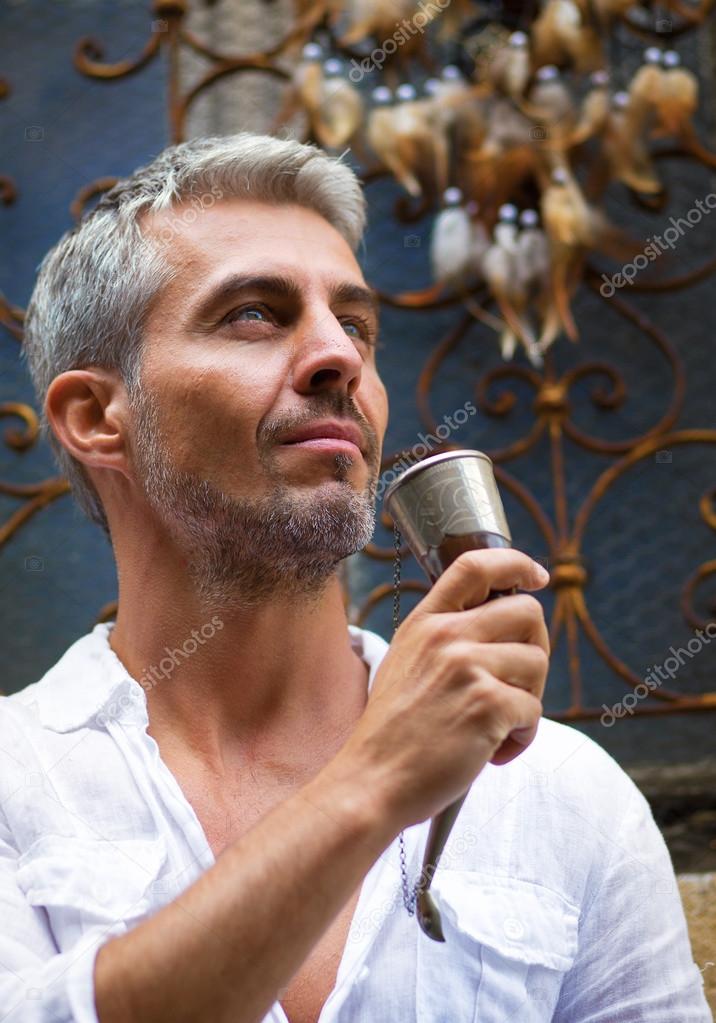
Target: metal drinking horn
(445, 505)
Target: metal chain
(409, 898)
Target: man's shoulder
(576, 764)
(562, 777)
(556, 742)
(553, 817)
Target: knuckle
(469, 560)
(486, 693)
(541, 659)
(469, 563)
(536, 707)
(528, 605)
(458, 659)
(442, 630)
(442, 660)
(461, 653)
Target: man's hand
(461, 685)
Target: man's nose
(326, 359)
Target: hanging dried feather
(677, 100)
(333, 106)
(501, 269)
(376, 18)
(533, 268)
(625, 145)
(570, 227)
(509, 70)
(594, 112)
(562, 35)
(506, 156)
(451, 242)
(551, 108)
(411, 139)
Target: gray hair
(95, 286)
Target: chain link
(409, 898)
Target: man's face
(268, 328)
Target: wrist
(357, 799)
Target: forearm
(224, 948)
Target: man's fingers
(521, 665)
(521, 711)
(515, 743)
(467, 582)
(517, 618)
(524, 710)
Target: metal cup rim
(425, 463)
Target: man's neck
(279, 684)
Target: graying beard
(242, 553)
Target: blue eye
(256, 313)
(246, 311)
(363, 328)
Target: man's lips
(327, 434)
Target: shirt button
(513, 928)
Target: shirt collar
(370, 647)
(74, 692)
(89, 685)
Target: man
(201, 802)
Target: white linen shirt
(556, 890)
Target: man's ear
(88, 411)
